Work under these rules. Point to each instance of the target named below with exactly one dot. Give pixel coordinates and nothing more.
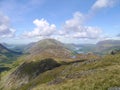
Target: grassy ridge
(96, 75)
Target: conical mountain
(50, 48)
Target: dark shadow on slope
(29, 71)
(4, 69)
(34, 68)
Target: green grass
(107, 75)
(29, 68)
(98, 75)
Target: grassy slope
(96, 75)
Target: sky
(69, 21)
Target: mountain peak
(49, 42)
(49, 48)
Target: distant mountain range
(109, 43)
(107, 46)
(102, 47)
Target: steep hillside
(3, 49)
(6, 51)
(6, 57)
(27, 71)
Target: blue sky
(70, 21)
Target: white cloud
(72, 28)
(78, 18)
(75, 28)
(89, 32)
(5, 30)
(99, 4)
(43, 29)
